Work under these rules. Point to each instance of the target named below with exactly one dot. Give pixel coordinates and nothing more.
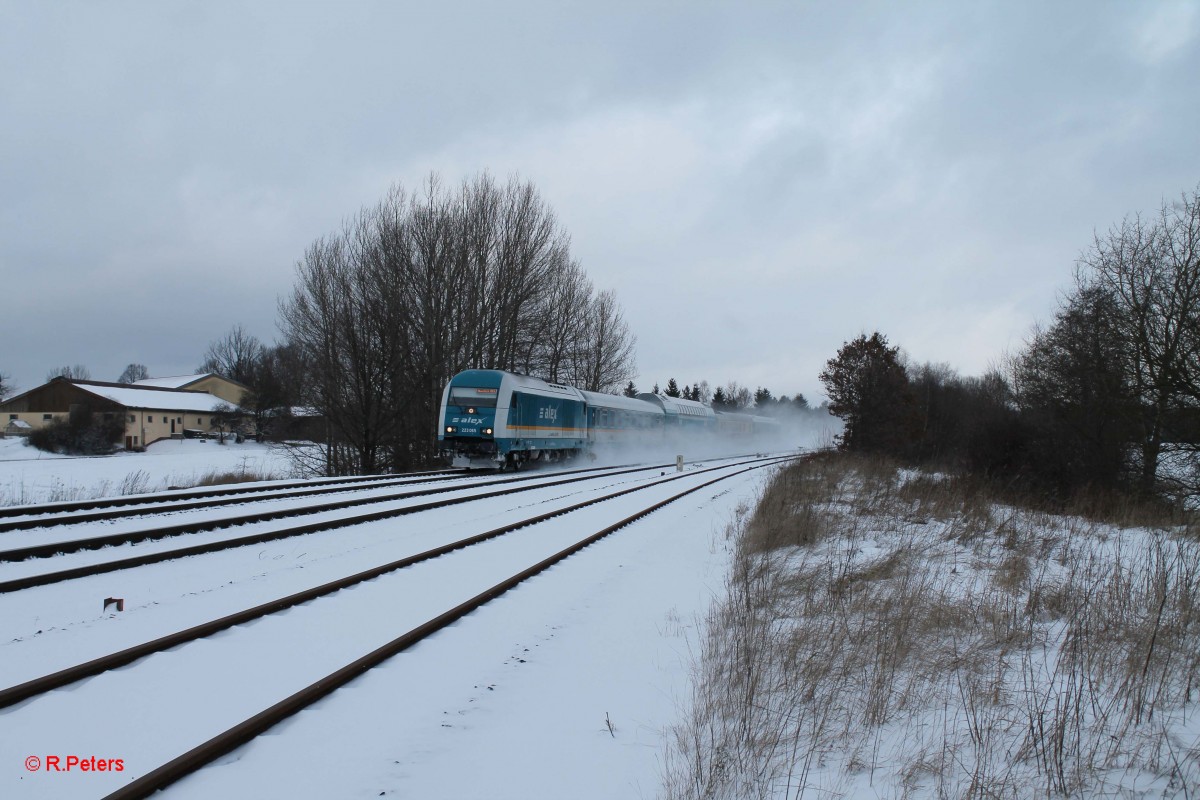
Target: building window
(199, 421)
(47, 417)
(12, 416)
(149, 419)
(132, 418)
(135, 441)
(180, 420)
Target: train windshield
(478, 398)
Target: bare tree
(424, 285)
(606, 348)
(337, 318)
(78, 372)
(235, 356)
(1151, 270)
(6, 386)
(225, 418)
(134, 373)
(1071, 383)
(735, 397)
(559, 325)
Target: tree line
(1093, 403)
(731, 397)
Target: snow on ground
(28, 475)
(914, 637)
(515, 700)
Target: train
(498, 419)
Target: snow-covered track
(93, 543)
(259, 723)
(96, 666)
(43, 516)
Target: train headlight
(449, 429)
(487, 431)
(470, 411)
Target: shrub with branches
(82, 433)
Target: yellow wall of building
(141, 427)
(34, 418)
(220, 387)
(150, 426)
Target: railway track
(126, 507)
(24, 691)
(48, 550)
(65, 510)
(248, 729)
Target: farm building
(227, 390)
(150, 412)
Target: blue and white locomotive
(501, 419)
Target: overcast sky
(758, 182)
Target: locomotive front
(468, 428)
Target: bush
(83, 433)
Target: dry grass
(220, 478)
(18, 494)
(902, 635)
(136, 482)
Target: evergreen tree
(719, 401)
(762, 398)
(631, 390)
(672, 388)
(655, 388)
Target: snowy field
(28, 475)
(562, 687)
(893, 634)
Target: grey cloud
(797, 171)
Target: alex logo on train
(550, 414)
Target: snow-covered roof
(19, 423)
(166, 399)
(172, 382)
